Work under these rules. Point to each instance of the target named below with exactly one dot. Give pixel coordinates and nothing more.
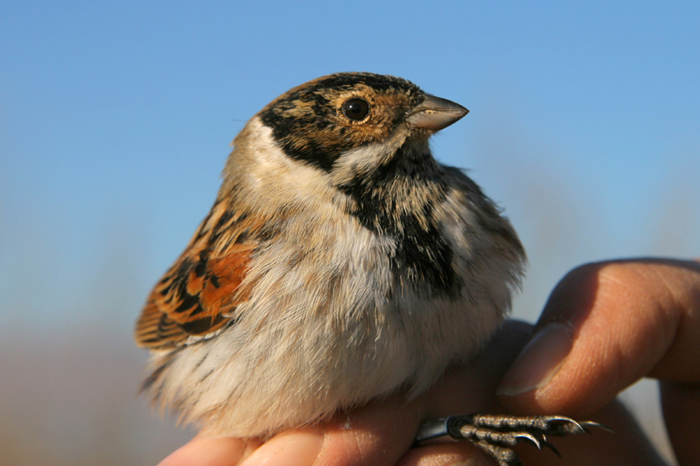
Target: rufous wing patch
(197, 296)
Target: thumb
(605, 326)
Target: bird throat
(397, 200)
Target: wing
(197, 296)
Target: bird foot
(496, 435)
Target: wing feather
(197, 296)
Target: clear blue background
(115, 121)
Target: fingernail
(299, 448)
(539, 361)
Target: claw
(527, 436)
(597, 425)
(570, 426)
(551, 447)
(567, 425)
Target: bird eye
(356, 109)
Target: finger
(204, 451)
(374, 434)
(605, 326)
(298, 447)
(457, 453)
(681, 408)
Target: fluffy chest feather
(325, 311)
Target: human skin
(605, 326)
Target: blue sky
(115, 120)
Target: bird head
(321, 120)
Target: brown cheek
(376, 129)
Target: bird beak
(435, 113)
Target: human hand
(607, 325)
(382, 433)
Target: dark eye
(356, 109)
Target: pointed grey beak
(435, 113)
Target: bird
(339, 264)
